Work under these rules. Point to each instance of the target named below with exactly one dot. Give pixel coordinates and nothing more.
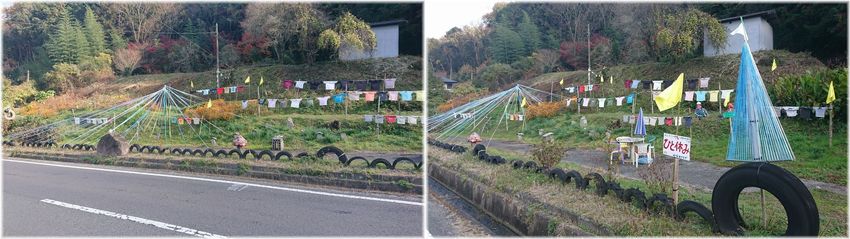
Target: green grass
(628, 220)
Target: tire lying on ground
(265, 152)
(478, 148)
(572, 174)
(799, 205)
(348, 163)
(695, 207)
(281, 154)
(302, 154)
(601, 186)
(331, 149)
(517, 164)
(220, 152)
(234, 151)
(377, 161)
(402, 159)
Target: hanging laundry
(713, 95)
(420, 95)
(233, 89)
(627, 84)
(625, 118)
(581, 89)
(411, 120)
(656, 85)
(294, 103)
(668, 121)
(323, 101)
(585, 102)
(219, 91)
(330, 85)
(390, 119)
(382, 96)
(688, 121)
(375, 84)
(588, 88)
(820, 112)
(632, 119)
(701, 95)
(393, 95)
(778, 111)
(272, 103)
(620, 100)
(179, 120)
(692, 84)
(314, 85)
(206, 92)
(300, 84)
(703, 82)
(361, 85)
(635, 84)
(666, 83)
(649, 121)
(344, 84)
(791, 111)
(677, 121)
(367, 118)
(339, 98)
(571, 89)
(406, 95)
(244, 104)
(401, 120)
(369, 95)
(601, 102)
(806, 113)
(689, 96)
(196, 120)
(287, 84)
(725, 94)
(240, 88)
(630, 98)
(76, 120)
(379, 119)
(227, 90)
(647, 85)
(354, 95)
(389, 83)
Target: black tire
(302, 154)
(799, 205)
(176, 151)
(187, 151)
(377, 161)
(660, 201)
(163, 150)
(247, 152)
(636, 197)
(234, 151)
(265, 152)
(530, 165)
(517, 164)
(143, 149)
(601, 186)
(402, 159)
(574, 175)
(198, 152)
(557, 174)
(332, 149)
(348, 163)
(220, 152)
(209, 151)
(695, 207)
(617, 190)
(64, 146)
(134, 146)
(282, 153)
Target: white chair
(643, 149)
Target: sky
(441, 16)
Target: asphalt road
(75, 200)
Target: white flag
(740, 30)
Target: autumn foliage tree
(127, 59)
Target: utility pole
(217, 69)
(588, 53)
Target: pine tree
(61, 45)
(80, 42)
(116, 40)
(530, 34)
(506, 45)
(94, 33)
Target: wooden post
(763, 212)
(831, 111)
(551, 87)
(675, 164)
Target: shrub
(64, 77)
(548, 153)
(544, 109)
(220, 110)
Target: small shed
(386, 34)
(759, 32)
(448, 83)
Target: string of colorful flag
(392, 119)
(359, 85)
(367, 96)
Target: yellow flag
(209, 103)
(192, 84)
(830, 96)
(248, 80)
(602, 78)
(610, 79)
(726, 101)
(671, 96)
(562, 81)
(523, 102)
(261, 80)
(773, 67)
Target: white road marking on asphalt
(158, 224)
(237, 187)
(228, 182)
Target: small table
(630, 142)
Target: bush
(544, 109)
(811, 89)
(220, 110)
(64, 77)
(548, 153)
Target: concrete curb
(387, 183)
(519, 212)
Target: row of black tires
(257, 155)
(799, 205)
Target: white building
(759, 32)
(386, 34)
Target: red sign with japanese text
(677, 146)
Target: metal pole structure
(217, 69)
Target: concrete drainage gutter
(521, 213)
(389, 183)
